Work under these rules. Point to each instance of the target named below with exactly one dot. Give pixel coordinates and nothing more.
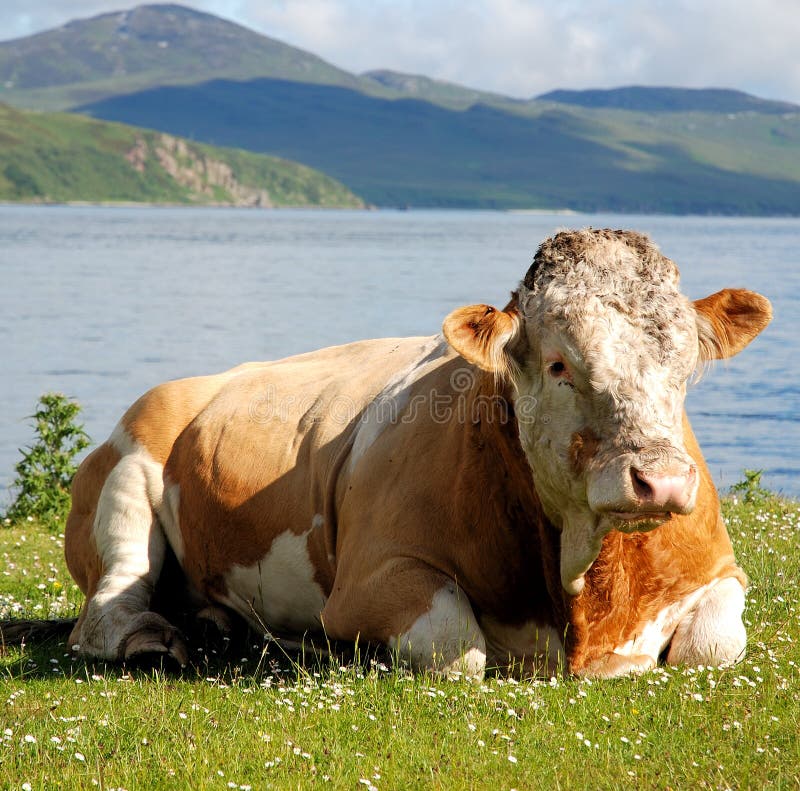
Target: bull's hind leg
(129, 547)
(712, 633)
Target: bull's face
(598, 344)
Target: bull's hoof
(153, 637)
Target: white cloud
(518, 47)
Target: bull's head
(598, 344)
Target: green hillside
(54, 157)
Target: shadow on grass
(31, 650)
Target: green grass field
(247, 719)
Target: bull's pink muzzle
(673, 493)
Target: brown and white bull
(524, 490)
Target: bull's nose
(660, 492)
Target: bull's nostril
(642, 488)
(664, 491)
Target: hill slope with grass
(54, 157)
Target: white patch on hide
(279, 591)
(581, 542)
(446, 639)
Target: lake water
(103, 303)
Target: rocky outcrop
(208, 180)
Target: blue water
(103, 303)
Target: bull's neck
(506, 509)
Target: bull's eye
(557, 369)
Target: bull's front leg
(703, 628)
(712, 632)
(420, 613)
(446, 639)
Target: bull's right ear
(728, 320)
(485, 336)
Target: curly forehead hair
(560, 254)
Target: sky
(517, 47)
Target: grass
(241, 718)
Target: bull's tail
(21, 631)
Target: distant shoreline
(153, 205)
(367, 208)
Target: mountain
(441, 92)
(54, 157)
(121, 52)
(411, 152)
(681, 100)
(408, 140)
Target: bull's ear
(728, 320)
(485, 336)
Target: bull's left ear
(485, 336)
(728, 320)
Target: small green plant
(45, 473)
(750, 490)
